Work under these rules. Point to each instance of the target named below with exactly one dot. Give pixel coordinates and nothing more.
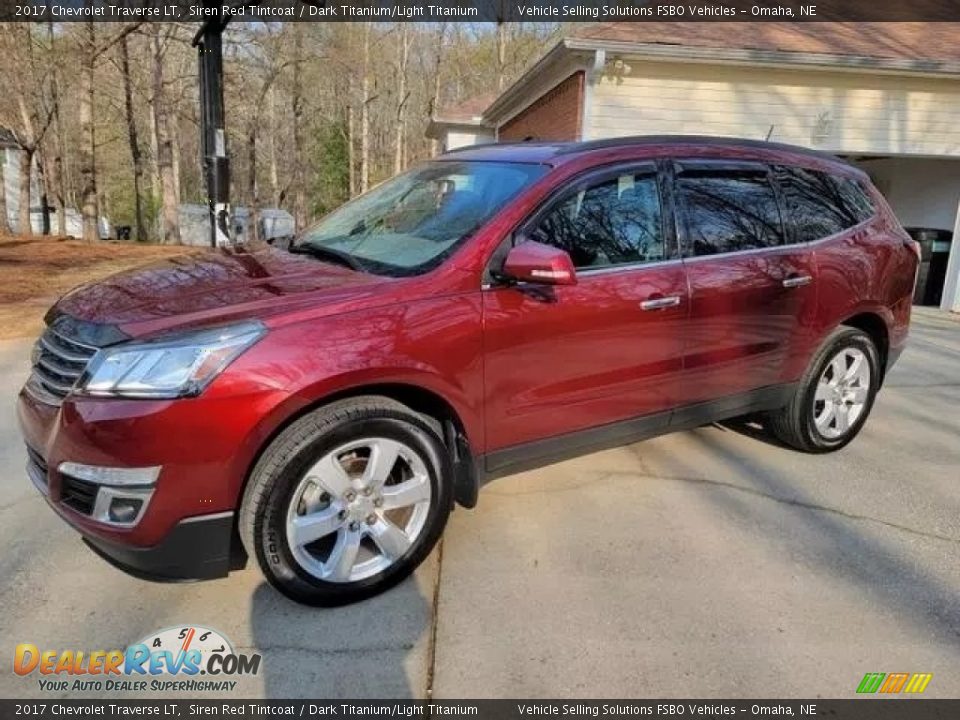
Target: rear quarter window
(819, 205)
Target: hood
(216, 285)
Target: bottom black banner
(861, 709)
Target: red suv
(498, 308)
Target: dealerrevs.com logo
(187, 659)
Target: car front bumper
(188, 530)
(198, 548)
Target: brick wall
(555, 116)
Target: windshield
(411, 223)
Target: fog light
(112, 476)
(123, 506)
(124, 510)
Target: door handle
(660, 303)
(797, 281)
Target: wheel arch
(438, 412)
(874, 325)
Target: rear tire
(834, 398)
(347, 501)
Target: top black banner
(479, 10)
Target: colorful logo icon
(185, 651)
(894, 683)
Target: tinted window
(819, 205)
(613, 222)
(725, 212)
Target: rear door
(752, 290)
(567, 358)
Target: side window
(856, 199)
(819, 205)
(614, 222)
(728, 211)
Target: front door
(752, 292)
(610, 348)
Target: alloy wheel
(842, 393)
(359, 509)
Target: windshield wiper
(329, 254)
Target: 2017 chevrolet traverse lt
(322, 409)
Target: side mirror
(535, 262)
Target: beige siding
(460, 138)
(834, 111)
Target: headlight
(168, 367)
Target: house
(886, 96)
(10, 155)
(463, 124)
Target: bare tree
(91, 52)
(88, 139)
(365, 100)
(352, 149)
(54, 149)
(4, 223)
(349, 108)
(30, 117)
(501, 49)
(299, 196)
(433, 106)
(270, 75)
(135, 153)
(403, 95)
(170, 222)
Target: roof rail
(566, 148)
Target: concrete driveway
(707, 563)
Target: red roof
(934, 41)
(468, 110)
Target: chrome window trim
(791, 246)
(627, 267)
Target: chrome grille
(58, 362)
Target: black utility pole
(209, 44)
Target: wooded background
(316, 112)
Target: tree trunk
(135, 154)
(400, 152)
(173, 125)
(155, 187)
(435, 99)
(501, 54)
(56, 171)
(4, 221)
(274, 171)
(253, 219)
(44, 201)
(87, 149)
(365, 113)
(26, 168)
(170, 220)
(56, 188)
(351, 150)
(299, 193)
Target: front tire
(347, 501)
(834, 398)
